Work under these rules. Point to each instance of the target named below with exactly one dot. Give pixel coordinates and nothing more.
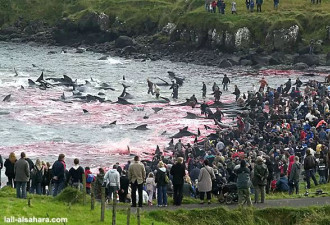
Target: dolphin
(110, 125)
(221, 125)
(105, 86)
(192, 116)
(7, 98)
(124, 77)
(166, 99)
(40, 78)
(123, 101)
(31, 82)
(85, 111)
(91, 98)
(105, 57)
(157, 109)
(183, 132)
(142, 127)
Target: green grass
(77, 213)
(190, 14)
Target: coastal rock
(123, 41)
(216, 38)
(300, 66)
(225, 64)
(309, 59)
(169, 28)
(327, 58)
(246, 62)
(283, 39)
(198, 38)
(128, 50)
(34, 27)
(94, 22)
(242, 38)
(229, 41)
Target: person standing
(1, 166)
(157, 90)
(225, 82)
(260, 179)
(243, 184)
(10, 171)
(162, 183)
(112, 180)
(259, 3)
(150, 183)
(233, 7)
(204, 90)
(294, 176)
(136, 176)
(124, 184)
(75, 175)
(263, 84)
(150, 87)
(237, 93)
(22, 176)
(276, 2)
(309, 166)
(204, 185)
(58, 170)
(178, 172)
(37, 174)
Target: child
(322, 168)
(150, 182)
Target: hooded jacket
(76, 172)
(112, 178)
(160, 177)
(291, 162)
(260, 174)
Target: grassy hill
(134, 14)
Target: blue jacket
(282, 184)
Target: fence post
(84, 187)
(114, 206)
(92, 196)
(128, 215)
(102, 203)
(138, 216)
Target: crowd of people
(280, 139)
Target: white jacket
(112, 178)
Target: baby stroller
(229, 193)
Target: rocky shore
(224, 49)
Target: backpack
(38, 175)
(90, 178)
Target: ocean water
(35, 121)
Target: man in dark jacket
(309, 166)
(22, 176)
(260, 179)
(58, 170)
(124, 184)
(270, 167)
(178, 172)
(243, 184)
(75, 175)
(1, 166)
(294, 176)
(225, 82)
